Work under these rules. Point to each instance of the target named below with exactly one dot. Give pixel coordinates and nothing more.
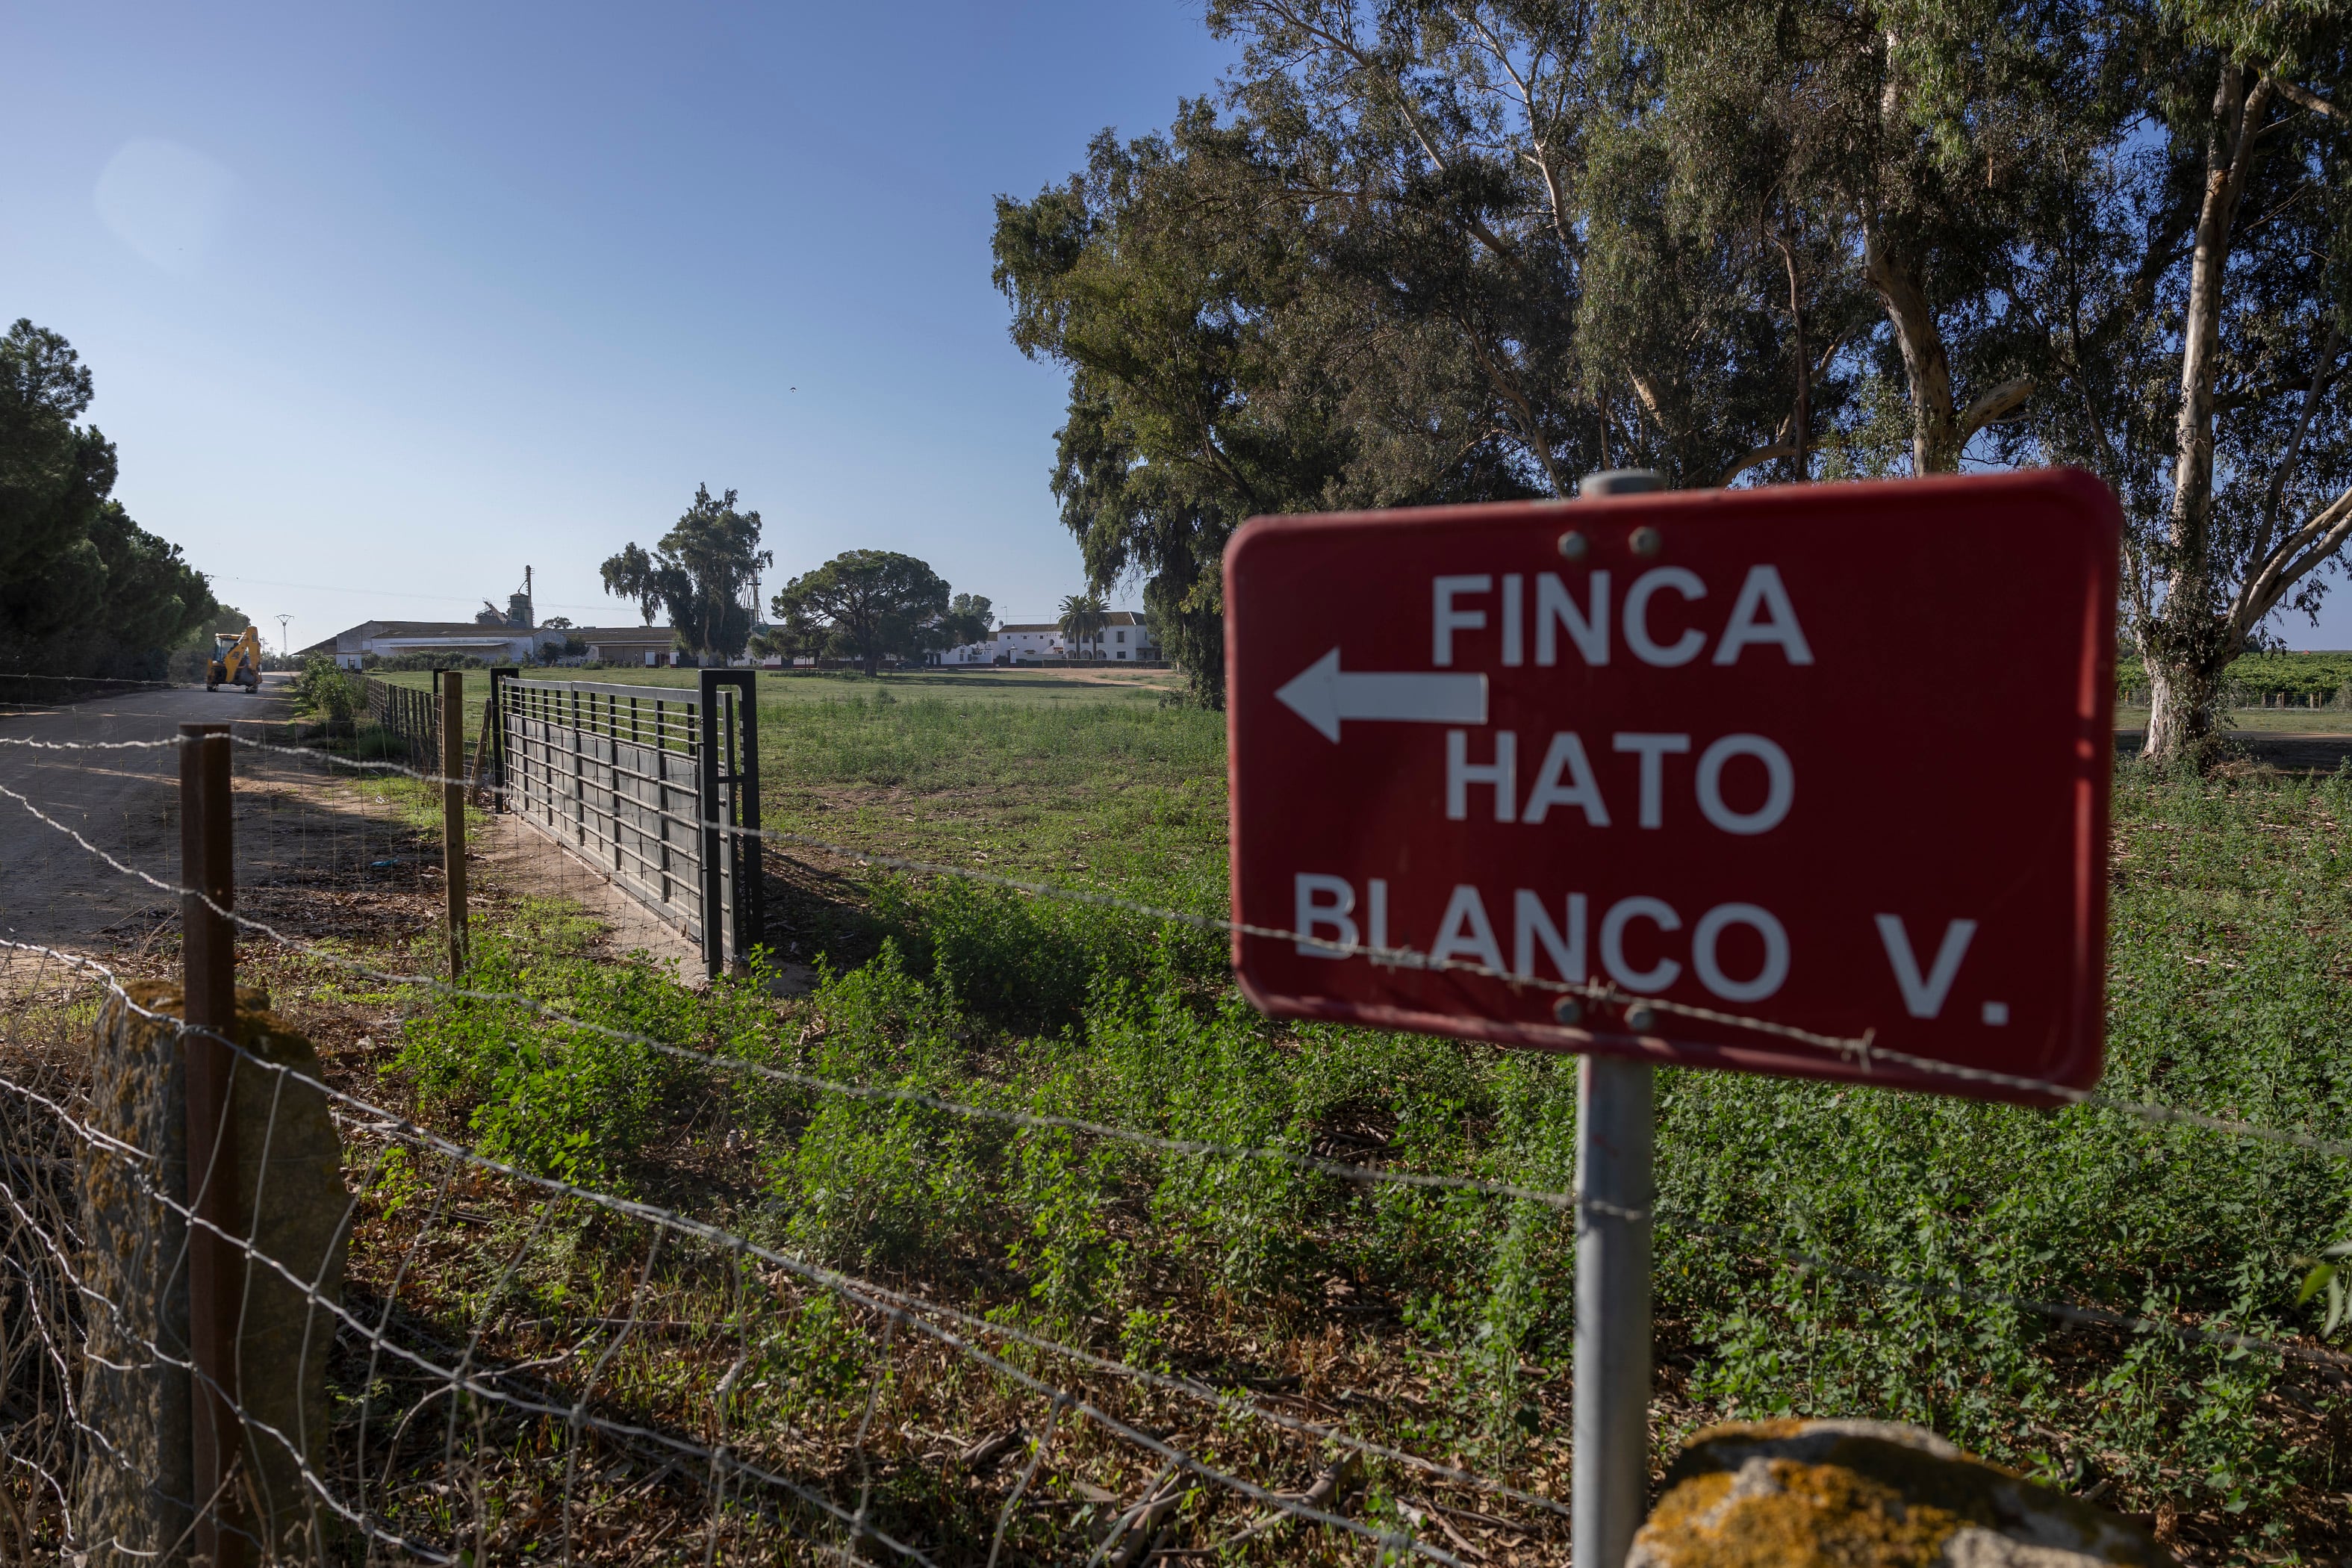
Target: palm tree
(1083, 617)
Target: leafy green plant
(329, 691)
(568, 1102)
(2328, 1276)
(860, 1181)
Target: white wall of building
(1127, 637)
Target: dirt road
(318, 853)
(127, 802)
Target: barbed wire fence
(448, 1356)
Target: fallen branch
(1420, 1515)
(983, 1455)
(1323, 1494)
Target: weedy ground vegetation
(1437, 1319)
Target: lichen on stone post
(1868, 1494)
(132, 1496)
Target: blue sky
(384, 302)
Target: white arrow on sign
(1323, 694)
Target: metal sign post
(1608, 1483)
(1609, 1469)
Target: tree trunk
(1936, 437)
(1800, 412)
(2237, 117)
(2191, 640)
(2183, 705)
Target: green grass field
(2260, 721)
(999, 689)
(1019, 689)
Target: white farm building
(1125, 635)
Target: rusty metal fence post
(209, 991)
(453, 812)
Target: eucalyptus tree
(2198, 329)
(1781, 172)
(1352, 285)
(1723, 284)
(1189, 322)
(700, 573)
(1436, 249)
(1443, 143)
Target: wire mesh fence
(410, 716)
(479, 1341)
(546, 1367)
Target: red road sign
(1835, 757)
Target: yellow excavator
(237, 660)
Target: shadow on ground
(2288, 754)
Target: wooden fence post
(209, 1005)
(453, 812)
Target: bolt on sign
(1833, 757)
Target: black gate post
(494, 735)
(729, 781)
(711, 816)
(751, 884)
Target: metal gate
(651, 785)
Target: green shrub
(1165, 1068)
(861, 1181)
(2228, 991)
(374, 742)
(328, 691)
(568, 1102)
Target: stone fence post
(131, 1496)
